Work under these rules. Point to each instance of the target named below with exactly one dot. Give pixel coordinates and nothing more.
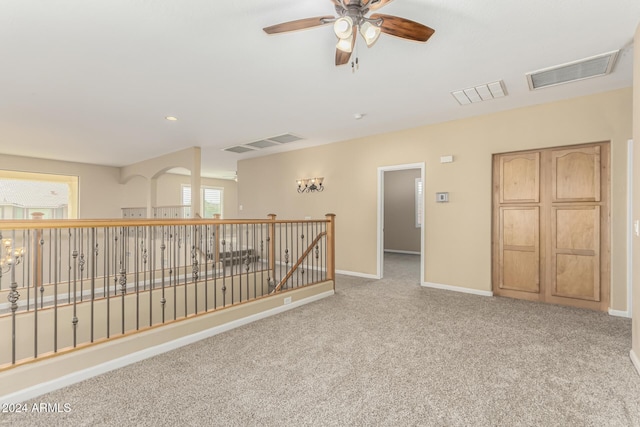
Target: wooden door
(550, 227)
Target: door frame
(380, 237)
(630, 229)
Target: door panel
(576, 253)
(575, 175)
(520, 175)
(576, 277)
(520, 249)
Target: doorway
(401, 218)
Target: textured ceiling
(92, 81)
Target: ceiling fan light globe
(370, 33)
(344, 45)
(343, 27)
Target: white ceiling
(92, 81)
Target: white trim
(394, 251)
(58, 383)
(619, 313)
(635, 360)
(380, 234)
(357, 274)
(630, 226)
(457, 289)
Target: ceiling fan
(352, 17)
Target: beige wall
(456, 232)
(400, 231)
(100, 194)
(636, 197)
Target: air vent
(480, 93)
(239, 149)
(263, 143)
(283, 139)
(594, 66)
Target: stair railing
(71, 283)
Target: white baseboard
(619, 313)
(357, 274)
(40, 389)
(457, 289)
(394, 251)
(635, 360)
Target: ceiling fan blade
(299, 24)
(375, 5)
(404, 28)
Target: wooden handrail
(87, 223)
(300, 261)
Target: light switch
(636, 227)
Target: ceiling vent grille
(594, 66)
(480, 93)
(239, 149)
(263, 143)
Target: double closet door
(551, 225)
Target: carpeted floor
(387, 353)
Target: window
(211, 200)
(419, 202)
(25, 193)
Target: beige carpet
(386, 353)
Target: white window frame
(203, 189)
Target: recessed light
(171, 118)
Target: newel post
(331, 248)
(272, 245)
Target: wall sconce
(309, 185)
(11, 257)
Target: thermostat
(442, 197)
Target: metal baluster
(13, 298)
(206, 268)
(123, 274)
(57, 267)
(136, 268)
(224, 265)
(194, 268)
(74, 320)
(163, 247)
(81, 264)
(35, 260)
(302, 271)
(152, 247)
(174, 270)
(214, 265)
(231, 246)
(286, 253)
(107, 273)
(69, 269)
(240, 261)
(255, 260)
(183, 242)
(326, 245)
(94, 261)
(26, 237)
